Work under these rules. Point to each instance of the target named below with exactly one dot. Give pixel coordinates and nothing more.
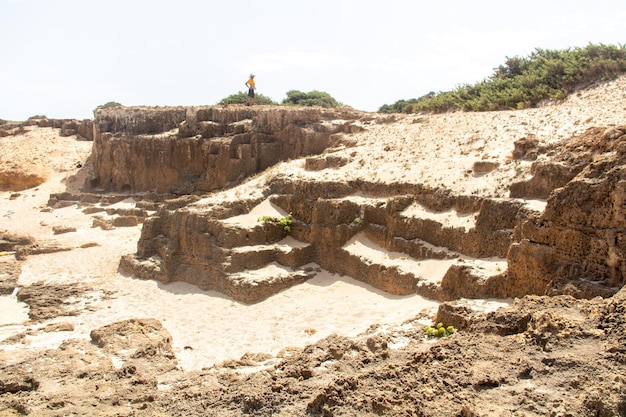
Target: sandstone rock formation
(577, 245)
(182, 150)
(195, 245)
(198, 246)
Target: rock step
(395, 243)
(476, 278)
(288, 252)
(447, 278)
(248, 229)
(480, 229)
(247, 286)
(255, 285)
(230, 236)
(415, 248)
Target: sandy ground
(209, 328)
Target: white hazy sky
(63, 58)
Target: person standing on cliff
(251, 87)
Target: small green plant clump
(285, 221)
(439, 330)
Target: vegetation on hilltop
(312, 98)
(519, 83)
(525, 82)
(294, 98)
(109, 104)
(242, 98)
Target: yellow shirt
(250, 83)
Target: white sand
(448, 218)
(251, 219)
(429, 269)
(13, 311)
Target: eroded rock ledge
(199, 244)
(578, 244)
(188, 149)
(67, 127)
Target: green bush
(524, 82)
(242, 98)
(312, 98)
(294, 98)
(109, 104)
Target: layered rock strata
(578, 245)
(199, 245)
(189, 149)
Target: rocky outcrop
(188, 149)
(120, 366)
(578, 245)
(546, 177)
(199, 245)
(68, 127)
(10, 268)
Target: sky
(63, 58)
